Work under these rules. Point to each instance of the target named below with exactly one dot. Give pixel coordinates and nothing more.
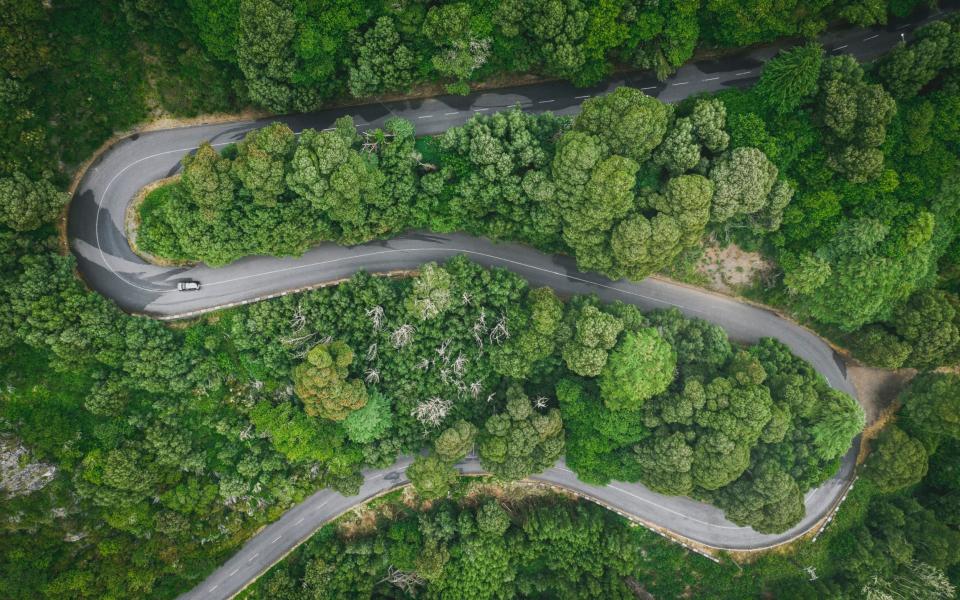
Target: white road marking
(871, 37)
(214, 587)
(904, 26)
(652, 87)
(253, 557)
(232, 573)
(329, 129)
(581, 97)
(300, 521)
(682, 83)
(545, 101)
(425, 116)
(480, 109)
(275, 539)
(840, 47)
(711, 78)
(451, 113)
(742, 73)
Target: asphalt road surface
(97, 238)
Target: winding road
(97, 238)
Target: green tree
(666, 462)
(897, 460)
(931, 407)
(595, 334)
(930, 323)
(432, 293)
(642, 365)
(432, 476)
(520, 441)
(790, 79)
(208, 181)
(743, 180)
(838, 418)
(262, 162)
(321, 382)
(456, 441)
(382, 62)
(26, 204)
(372, 421)
(626, 122)
(768, 500)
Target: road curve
(97, 238)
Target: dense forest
(844, 175)
(897, 536)
(138, 456)
(236, 416)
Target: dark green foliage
(520, 441)
(897, 460)
(791, 78)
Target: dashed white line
(253, 557)
(451, 113)
(214, 587)
(742, 73)
(682, 83)
(840, 47)
(711, 78)
(545, 101)
(300, 521)
(480, 109)
(652, 87)
(581, 97)
(232, 573)
(275, 539)
(425, 116)
(871, 37)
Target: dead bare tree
(467, 299)
(372, 352)
(402, 336)
(372, 376)
(500, 333)
(442, 351)
(475, 388)
(407, 581)
(376, 317)
(540, 402)
(298, 320)
(432, 412)
(424, 364)
(460, 365)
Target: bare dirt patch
(730, 269)
(877, 390)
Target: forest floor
(730, 269)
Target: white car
(188, 286)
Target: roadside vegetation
(143, 455)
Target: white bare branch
(432, 412)
(402, 336)
(540, 402)
(424, 364)
(372, 352)
(475, 388)
(407, 581)
(500, 333)
(467, 299)
(460, 365)
(372, 376)
(298, 320)
(376, 317)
